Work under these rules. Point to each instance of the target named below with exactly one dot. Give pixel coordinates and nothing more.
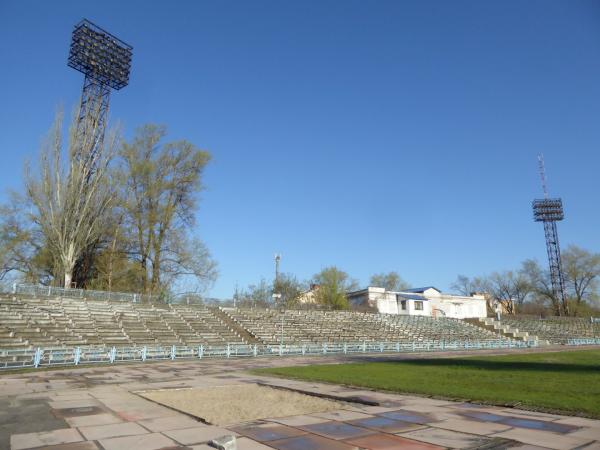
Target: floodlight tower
(106, 62)
(549, 211)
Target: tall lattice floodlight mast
(549, 211)
(106, 62)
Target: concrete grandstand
(72, 330)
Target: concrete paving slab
(97, 432)
(342, 415)
(471, 426)
(579, 421)
(544, 438)
(152, 441)
(295, 421)
(32, 440)
(336, 430)
(76, 412)
(197, 435)
(96, 419)
(310, 442)
(86, 445)
(244, 443)
(268, 431)
(446, 438)
(385, 424)
(592, 446)
(390, 442)
(81, 403)
(408, 416)
(528, 447)
(170, 423)
(587, 433)
(134, 415)
(529, 414)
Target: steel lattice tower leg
(91, 125)
(554, 261)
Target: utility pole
(277, 261)
(276, 294)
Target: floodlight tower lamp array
(105, 60)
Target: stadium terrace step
(506, 330)
(234, 325)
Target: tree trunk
(68, 278)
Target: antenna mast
(543, 174)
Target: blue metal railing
(42, 357)
(583, 341)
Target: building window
(403, 305)
(418, 306)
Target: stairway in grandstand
(489, 323)
(234, 325)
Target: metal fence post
(303, 349)
(173, 352)
(200, 351)
(77, 355)
(37, 357)
(280, 350)
(255, 351)
(364, 346)
(345, 348)
(228, 351)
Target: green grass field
(567, 382)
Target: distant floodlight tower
(549, 211)
(106, 62)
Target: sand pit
(231, 404)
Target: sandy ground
(226, 405)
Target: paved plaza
(98, 408)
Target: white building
(427, 301)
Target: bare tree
(290, 289)
(469, 286)
(509, 288)
(582, 271)
(71, 196)
(540, 284)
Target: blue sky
(375, 136)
